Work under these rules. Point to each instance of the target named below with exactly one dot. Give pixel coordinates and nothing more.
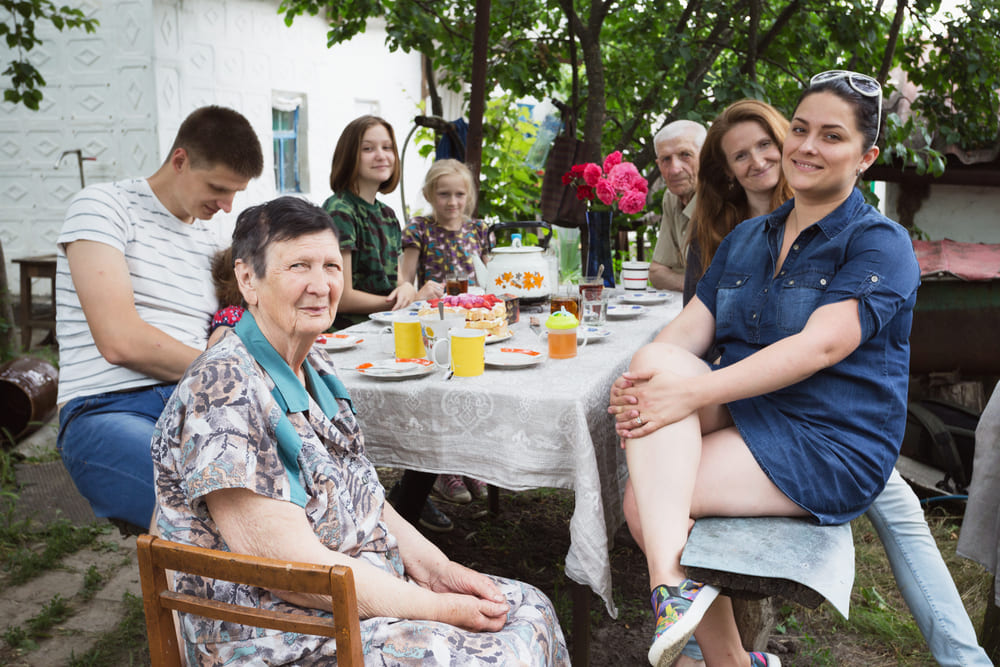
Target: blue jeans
(104, 441)
(923, 578)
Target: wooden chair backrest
(157, 555)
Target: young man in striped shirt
(134, 298)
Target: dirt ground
(528, 540)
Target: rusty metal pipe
(28, 388)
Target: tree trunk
(437, 108)
(6, 312)
(590, 42)
(890, 47)
(477, 96)
(593, 126)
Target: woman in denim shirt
(740, 177)
(810, 308)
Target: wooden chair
(157, 555)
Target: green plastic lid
(562, 319)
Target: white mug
(434, 328)
(635, 275)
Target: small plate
(621, 311)
(592, 333)
(513, 357)
(490, 339)
(389, 316)
(396, 369)
(645, 297)
(337, 341)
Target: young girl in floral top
(442, 243)
(445, 241)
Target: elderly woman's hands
(644, 401)
(470, 599)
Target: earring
(857, 173)
(732, 184)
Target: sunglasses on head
(861, 83)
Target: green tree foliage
(961, 65)
(24, 80)
(627, 68)
(509, 188)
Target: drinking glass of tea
(456, 283)
(566, 298)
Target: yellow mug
(407, 338)
(463, 351)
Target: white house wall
(956, 212)
(121, 93)
(98, 98)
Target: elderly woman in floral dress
(259, 452)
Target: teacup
(635, 275)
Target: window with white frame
(287, 126)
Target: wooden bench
(758, 557)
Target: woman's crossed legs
(697, 466)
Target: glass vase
(599, 245)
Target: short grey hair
(680, 128)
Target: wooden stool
(758, 557)
(43, 266)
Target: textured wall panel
(98, 85)
(168, 92)
(166, 33)
(121, 93)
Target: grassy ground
(529, 538)
(528, 541)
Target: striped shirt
(169, 263)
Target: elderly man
(677, 147)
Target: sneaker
(451, 488)
(678, 611)
(434, 519)
(476, 487)
(758, 659)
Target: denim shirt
(854, 412)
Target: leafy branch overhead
(24, 80)
(626, 69)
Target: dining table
(520, 425)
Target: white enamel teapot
(527, 272)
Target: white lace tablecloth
(541, 426)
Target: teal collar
(288, 391)
(291, 396)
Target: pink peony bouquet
(614, 182)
